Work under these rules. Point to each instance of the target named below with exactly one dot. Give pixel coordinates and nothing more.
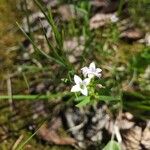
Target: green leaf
(112, 145)
(80, 98)
(85, 101)
(109, 98)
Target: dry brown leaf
(68, 12)
(100, 20)
(74, 48)
(126, 121)
(131, 138)
(105, 6)
(146, 137)
(99, 3)
(51, 134)
(132, 34)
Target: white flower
(91, 71)
(81, 85)
(114, 18)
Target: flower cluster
(88, 73)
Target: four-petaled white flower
(91, 71)
(81, 85)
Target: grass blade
(36, 48)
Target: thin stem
(32, 97)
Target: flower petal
(86, 81)
(91, 75)
(98, 70)
(92, 66)
(98, 74)
(84, 71)
(84, 91)
(75, 88)
(77, 79)
(84, 68)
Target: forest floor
(121, 48)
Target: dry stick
(17, 142)
(116, 127)
(9, 91)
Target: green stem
(120, 6)
(32, 97)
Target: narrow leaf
(84, 102)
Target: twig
(9, 91)
(17, 142)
